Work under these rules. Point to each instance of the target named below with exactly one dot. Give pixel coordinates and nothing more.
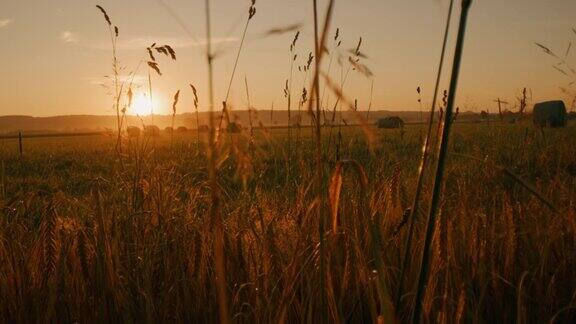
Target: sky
(56, 54)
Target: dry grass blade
(105, 14)
(334, 189)
(130, 96)
(546, 50)
(282, 30)
(335, 186)
(296, 36)
(319, 43)
(195, 93)
(251, 13)
(560, 70)
(175, 101)
(174, 104)
(151, 54)
(360, 67)
(155, 67)
(171, 52)
(440, 166)
(215, 212)
(162, 50)
(357, 53)
(515, 177)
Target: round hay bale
(390, 122)
(550, 114)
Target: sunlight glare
(142, 105)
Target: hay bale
(296, 121)
(550, 114)
(151, 131)
(133, 131)
(182, 129)
(234, 128)
(390, 122)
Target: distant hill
(80, 123)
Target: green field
(87, 234)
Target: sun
(141, 105)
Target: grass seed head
(105, 14)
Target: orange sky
(55, 53)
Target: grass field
(87, 235)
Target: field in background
(89, 236)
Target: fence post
(20, 143)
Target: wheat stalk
(195, 93)
(215, 213)
(251, 13)
(440, 167)
(174, 104)
(423, 162)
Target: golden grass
(250, 228)
(82, 239)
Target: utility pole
(500, 103)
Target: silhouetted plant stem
(315, 96)
(370, 101)
(215, 215)
(289, 99)
(251, 139)
(315, 99)
(251, 13)
(150, 94)
(113, 30)
(423, 163)
(440, 167)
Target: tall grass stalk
(370, 101)
(288, 95)
(251, 13)
(335, 45)
(113, 31)
(337, 105)
(423, 162)
(250, 121)
(174, 105)
(440, 167)
(150, 95)
(215, 213)
(195, 93)
(315, 99)
(304, 96)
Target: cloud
(140, 43)
(68, 37)
(5, 22)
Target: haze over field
(84, 123)
(57, 52)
